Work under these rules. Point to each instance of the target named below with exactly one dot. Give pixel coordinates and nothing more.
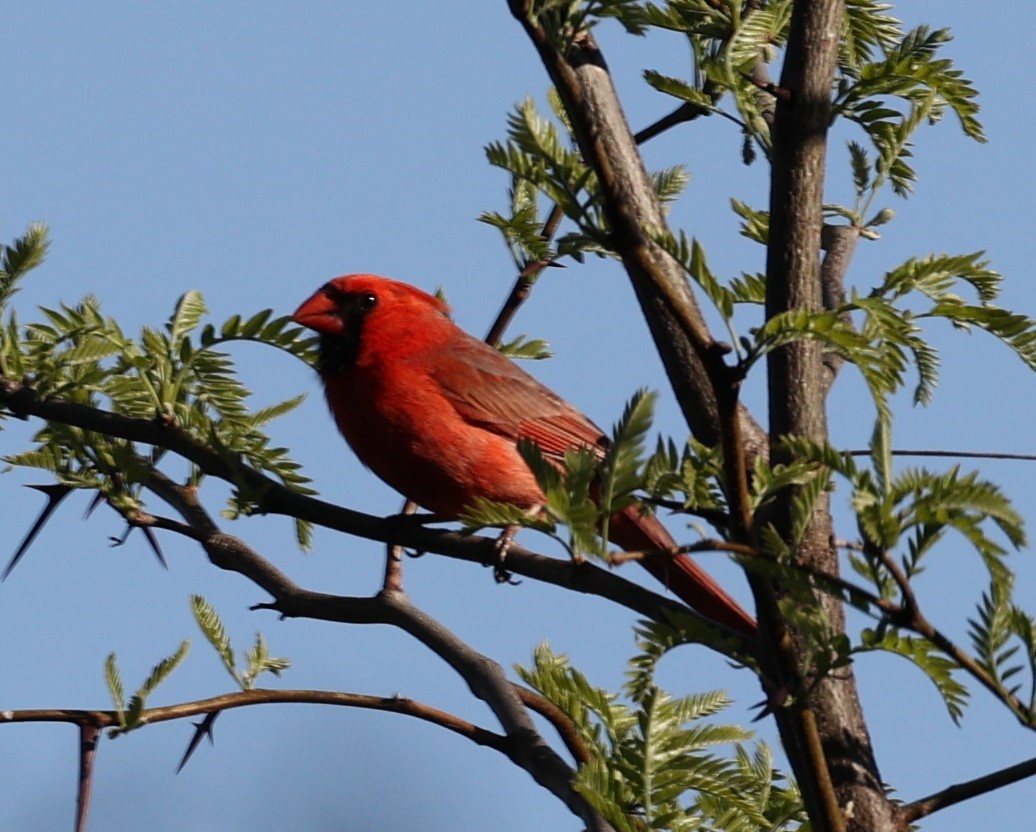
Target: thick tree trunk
(796, 373)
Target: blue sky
(252, 153)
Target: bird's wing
(492, 392)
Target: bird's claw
(503, 543)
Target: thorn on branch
(152, 539)
(201, 729)
(97, 500)
(55, 493)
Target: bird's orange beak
(319, 313)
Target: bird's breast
(410, 434)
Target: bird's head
(358, 313)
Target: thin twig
(522, 288)
(100, 719)
(486, 679)
(708, 545)
(959, 792)
(913, 618)
(950, 454)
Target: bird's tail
(634, 531)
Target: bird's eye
(367, 301)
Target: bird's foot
(503, 543)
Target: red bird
(437, 415)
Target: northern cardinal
(437, 414)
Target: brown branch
(951, 454)
(227, 552)
(959, 792)
(88, 736)
(99, 720)
(394, 555)
(523, 283)
(839, 243)
(559, 719)
(826, 739)
(912, 617)
(200, 527)
(92, 722)
(712, 516)
(688, 111)
(522, 288)
(708, 545)
(692, 358)
(908, 615)
(484, 677)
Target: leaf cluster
(257, 659)
(177, 375)
(911, 74)
(901, 516)
(654, 759)
(584, 489)
(541, 157)
(881, 333)
(130, 714)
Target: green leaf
(756, 225)
(881, 368)
(189, 309)
(991, 633)
(861, 166)
(260, 661)
(691, 256)
(252, 327)
(20, 257)
(868, 29)
(937, 276)
(212, 627)
(763, 26)
(621, 465)
(267, 414)
(159, 673)
(114, 681)
(670, 182)
(482, 513)
(939, 669)
(678, 89)
(1015, 330)
(529, 348)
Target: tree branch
(839, 243)
(841, 770)
(967, 790)
(484, 677)
(692, 358)
(276, 498)
(247, 698)
(88, 736)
